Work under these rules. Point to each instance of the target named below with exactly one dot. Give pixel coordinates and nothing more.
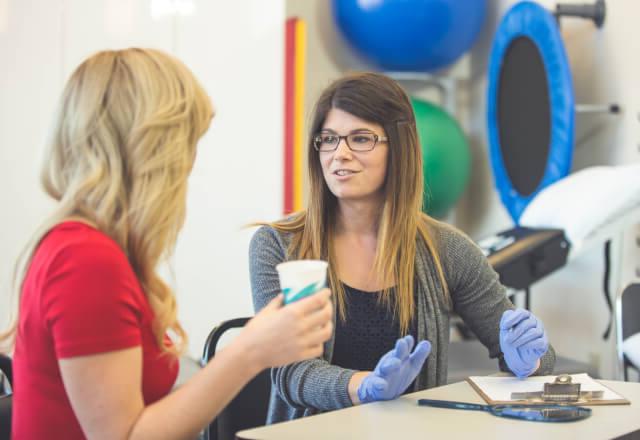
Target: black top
(369, 331)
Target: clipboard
(496, 390)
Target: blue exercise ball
(410, 35)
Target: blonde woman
(396, 273)
(92, 357)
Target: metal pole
(597, 108)
(595, 11)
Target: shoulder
(455, 249)
(76, 248)
(269, 233)
(277, 235)
(267, 237)
(269, 246)
(447, 238)
(81, 273)
(84, 243)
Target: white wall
(30, 81)
(235, 49)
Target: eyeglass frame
(376, 138)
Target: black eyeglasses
(355, 141)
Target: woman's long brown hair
(378, 99)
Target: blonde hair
(123, 146)
(378, 99)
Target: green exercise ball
(446, 157)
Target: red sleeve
(90, 300)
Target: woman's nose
(342, 149)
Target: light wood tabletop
(403, 418)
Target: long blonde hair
(123, 146)
(375, 98)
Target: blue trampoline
(531, 106)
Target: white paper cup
(300, 278)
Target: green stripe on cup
(290, 296)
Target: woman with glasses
(396, 273)
(92, 356)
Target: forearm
(185, 412)
(314, 384)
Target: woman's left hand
(523, 341)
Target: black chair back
(6, 367)
(628, 322)
(249, 408)
(6, 398)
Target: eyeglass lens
(355, 141)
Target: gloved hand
(522, 340)
(395, 371)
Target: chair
(6, 398)
(628, 324)
(249, 408)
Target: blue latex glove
(522, 340)
(395, 371)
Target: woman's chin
(353, 196)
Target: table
(403, 418)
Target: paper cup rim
(315, 264)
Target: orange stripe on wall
(289, 111)
(298, 114)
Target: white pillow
(631, 348)
(585, 200)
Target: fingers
(275, 303)
(524, 326)
(529, 336)
(388, 365)
(310, 303)
(513, 317)
(531, 358)
(539, 345)
(272, 307)
(319, 335)
(409, 340)
(420, 354)
(315, 338)
(312, 352)
(318, 317)
(391, 354)
(403, 347)
(311, 312)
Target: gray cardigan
(312, 386)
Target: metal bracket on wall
(593, 11)
(446, 86)
(598, 108)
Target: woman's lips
(343, 174)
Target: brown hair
(378, 99)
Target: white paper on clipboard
(498, 389)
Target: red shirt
(80, 297)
